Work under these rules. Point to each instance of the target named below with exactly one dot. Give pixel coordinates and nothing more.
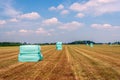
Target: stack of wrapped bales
(91, 44)
(59, 45)
(30, 53)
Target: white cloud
(52, 8)
(37, 31)
(51, 21)
(7, 9)
(42, 31)
(104, 26)
(2, 22)
(52, 30)
(71, 26)
(13, 20)
(10, 32)
(80, 15)
(64, 26)
(78, 7)
(32, 15)
(10, 11)
(64, 12)
(106, 1)
(97, 7)
(23, 31)
(59, 7)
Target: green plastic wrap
(87, 44)
(91, 44)
(59, 45)
(30, 53)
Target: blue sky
(59, 20)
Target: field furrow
(73, 62)
(102, 67)
(24, 67)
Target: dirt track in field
(74, 62)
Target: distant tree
(10, 43)
(117, 42)
(82, 42)
(24, 43)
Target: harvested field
(74, 62)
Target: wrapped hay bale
(91, 44)
(30, 53)
(59, 45)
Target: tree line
(10, 43)
(70, 43)
(82, 42)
